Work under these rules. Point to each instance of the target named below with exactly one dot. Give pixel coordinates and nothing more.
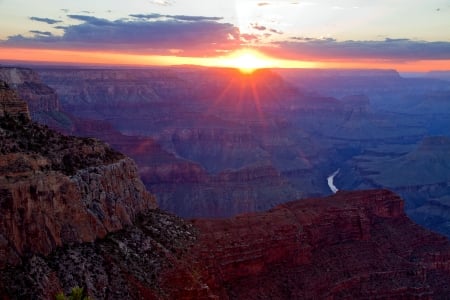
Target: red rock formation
(43, 210)
(57, 190)
(353, 245)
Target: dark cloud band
(388, 49)
(150, 34)
(45, 20)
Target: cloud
(45, 20)
(175, 17)
(90, 20)
(147, 16)
(258, 27)
(44, 33)
(275, 31)
(316, 40)
(388, 49)
(194, 18)
(149, 34)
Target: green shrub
(76, 293)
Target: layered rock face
(187, 128)
(42, 101)
(11, 104)
(58, 190)
(351, 245)
(248, 189)
(420, 173)
(357, 245)
(40, 97)
(186, 187)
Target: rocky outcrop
(26, 82)
(43, 103)
(420, 175)
(357, 245)
(44, 210)
(11, 104)
(337, 246)
(125, 265)
(57, 190)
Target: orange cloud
(77, 57)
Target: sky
(407, 35)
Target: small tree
(75, 294)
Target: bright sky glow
(247, 61)
(290, 33)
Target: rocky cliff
(40, 97)
(43, 102)
(357, 245)
(419, 173)
(57, 190)
(11, 104)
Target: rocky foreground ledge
(356, 245)
(57, 190)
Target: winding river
(330, 180)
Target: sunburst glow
(247, 61)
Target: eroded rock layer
(57, 190)
(357, 245)
(11, 104)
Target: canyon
(215, 128)
(75, 213)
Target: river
(330, 180)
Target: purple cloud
(149, 34)
(90, 20)
(388, 49)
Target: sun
(247, 61)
